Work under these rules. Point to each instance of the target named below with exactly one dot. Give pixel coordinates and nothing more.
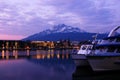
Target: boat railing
(109, 42)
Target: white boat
(79, 57)
(107, 53)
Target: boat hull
(104, 63)
(80, 59)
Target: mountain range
(63, 32)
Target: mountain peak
(59, 27)
(60, 31)
(62, 28)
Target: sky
(22, 18)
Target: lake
(36, 65)
(47, 65)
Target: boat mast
(112, 32)
(94, 38)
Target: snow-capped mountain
(64, 29)
(61, 28)
(61, 31)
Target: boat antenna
(112, 32)
(95, 36)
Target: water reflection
(86, 73)
(15, 54)
(7, 54)
(39, 54)
(46, 65)
(28, 52)
(36, 65)
(51, 55)
(3, 54)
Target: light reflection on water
(46, 65)
(36, 65)
(39, 54)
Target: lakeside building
(13, 44)
(21, 45)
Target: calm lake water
(36, 65)
(46, 65)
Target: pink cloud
(11, 37)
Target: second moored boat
(104, 56)
(107, 53)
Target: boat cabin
(85, 49)
(111, 40)
(107, 49)
(109, 45)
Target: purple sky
(21, 18)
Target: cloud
(24, 17)
(11, 37)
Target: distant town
(34, 45)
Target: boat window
(104, 41)
(110, 40)
(100, 49)
(89, 47)
(118, 50)
(118, 40)
(84, 47)
(111, 49)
